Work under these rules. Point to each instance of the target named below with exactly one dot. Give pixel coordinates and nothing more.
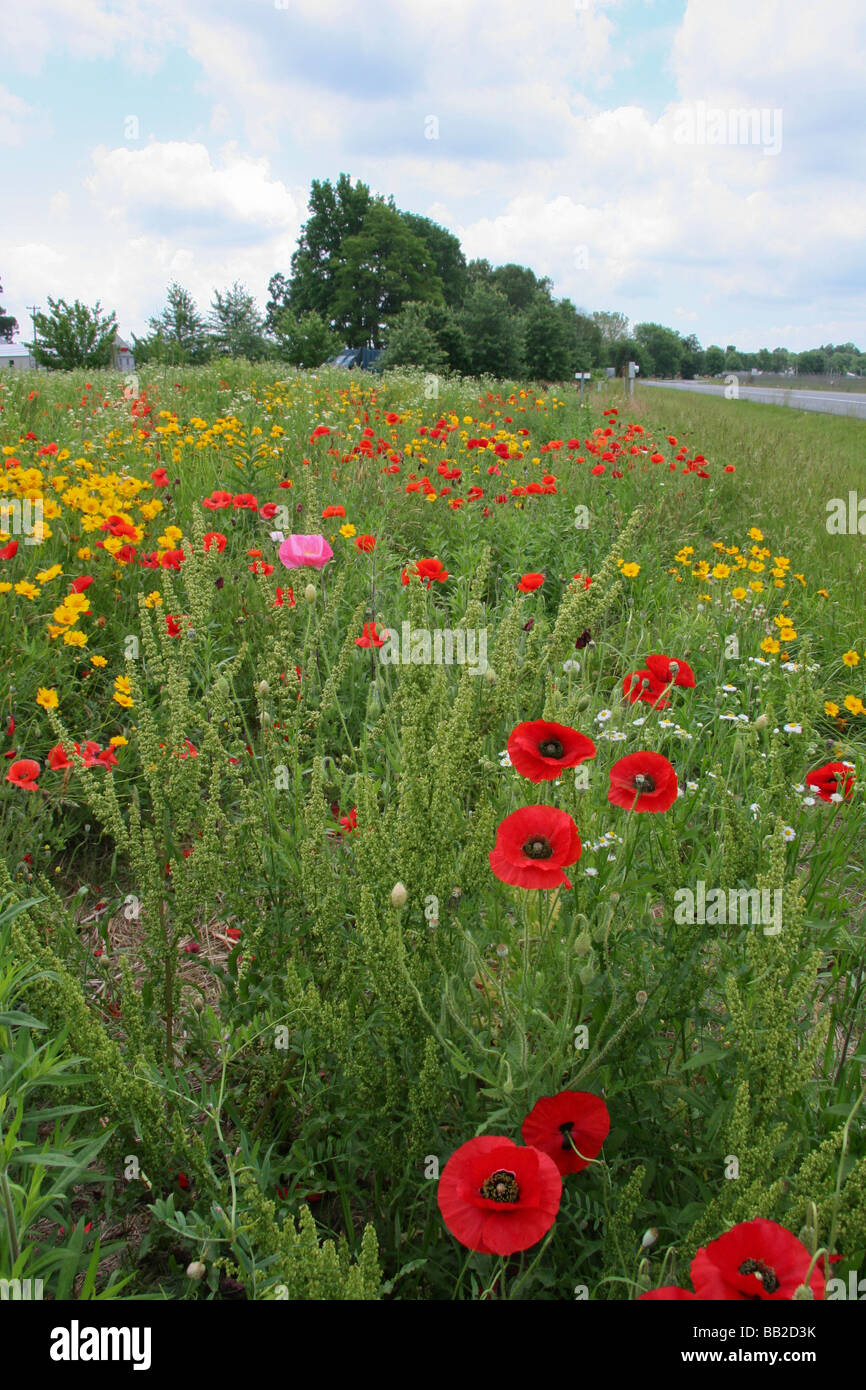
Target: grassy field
(278, 964)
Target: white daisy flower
(692, 786)
(617, 736)
(836, 796)
(505, 758)
(789, 833)
(798, 786)
(793, 728)
(638, 722)
(603, 716)
(731, 689)
(809, 800)
(591, 873)
(666, 724)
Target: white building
(16, 355)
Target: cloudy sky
(598, 141)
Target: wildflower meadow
(432, 841)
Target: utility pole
(33, 310)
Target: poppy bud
(762, 721)
(310, 593)
(584, 702)
(649, 1238)
(641, 997)
(222, 685)
(264, 688)
(399, 895)
(490, 676)
(196, 1270)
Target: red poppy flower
(214, 538)
(247, 501)
(529, 582)
(365, 543)
(643, 782)
(23, 774)
(319, 431)
(539, 749)
(671, 670)
(79, 585)
(118, 527)
(830, 779)
(642, 685)
(107, 758)
(159, 477)
(498, 1198)
(281, 597)
(57, 758)
(532, 846)
(172, 559)
(217, 501)
(268, 511)
(350, 822)
(427, 571)
(333, 511)
(10, 726)
(755, 1260)
(125, 555)
(370, 637)
(569, 1127)
(172, 626)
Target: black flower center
(762, 1272)
(501, 1187)
(551, 748)
(539, 847)
(565, 1130)
(643, 782)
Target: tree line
(364, 273)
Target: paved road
(826, 402)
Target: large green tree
(177, 335)
(493, 332)
(411, 342)
(73, 335)
(611, 324)
(548, 346)
(663, 346)
(448, 260)
(520, 285)
(336, 212)
(692, 359)
(236, 326)
(383, 266)
(305, 340)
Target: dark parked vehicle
(363, 357)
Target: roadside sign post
(582, 377)
(633, 369)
